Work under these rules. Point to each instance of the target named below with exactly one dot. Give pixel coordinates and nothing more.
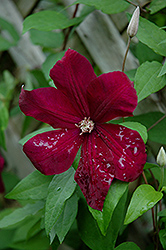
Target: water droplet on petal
(124, 176)
(121, 162)
(136, 151)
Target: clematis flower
(2, 188)
(78, 111)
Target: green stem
(144, 177)
(127, 50)
(70, 28)
(162, 179)
(136, 5)
(131, 3)
(156, 123)
(157, 231)
(154, 179)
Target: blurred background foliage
(25, 60)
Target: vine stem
(136, 5)
(132, 3)
(144, 177)
(155, 182)
(156, 123)
(127, 50)
(70, 28)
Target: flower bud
(134, 22)
(161, 157)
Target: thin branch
(156, 123)
(136, 6)
(157, 187)
(144, 177)
(132, 3)
(127, 50)
(153, 219)
(154, 179)
(70, 28)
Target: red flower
(79, 109)
(2, 188)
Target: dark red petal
(127, 149)
(95, 173)
(72, 75)
(1, 163)
(53, 152)
(49, 105)
(111, 95)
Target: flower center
(85, 125)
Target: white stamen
(85, 125)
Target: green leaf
(163, 70)
(4, 116)
(60, 189)
(55, 244)
(162, 213)
(163, 189)
(34, 186)
(147, 80)
(10, 83)
(4, 44)
(25, 126)
(150, 165)
(127, 246)
(19, 215)
(138, 127)
(48, 20)
(2, 139)
(49, 63)
(106, 6)
(13, 36)
(131, 74)
(158, 132)
(157, 5)
(5, 25)
(6, 212)
(22, 232)
(36, 228)
(38, 242)
(10, 180)
(39, 78)
(157, 172)
(77, 159)
(143, 199)
(143, 53)
(73, 239)
(115, 193)
(7, 87)
(90, 232)
(162, 236)
(46, 39)
(6, 237)
(151, 35)
(66, 219)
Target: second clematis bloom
(79, 109)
